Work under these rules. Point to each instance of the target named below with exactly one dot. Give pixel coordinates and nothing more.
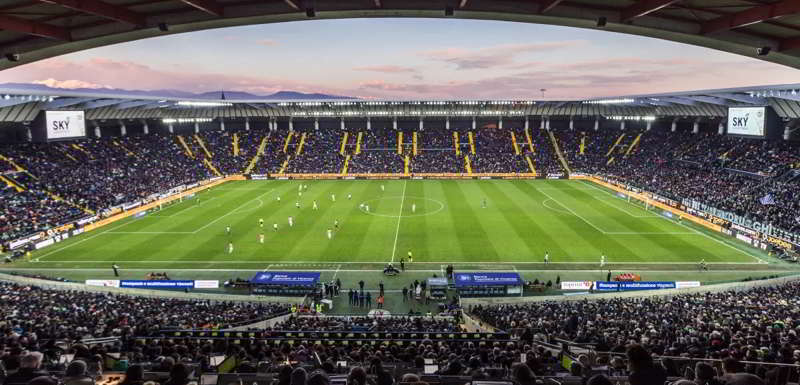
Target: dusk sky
(406, 58)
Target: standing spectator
(643, 370)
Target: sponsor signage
(576, 285)
(685, 284)
(200, 284)
(61, 125)
(749, 121)
(147, 284)
(630, 286)
(487, 279)
(103, 282)
(287, 278)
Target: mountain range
(212, 95)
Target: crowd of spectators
(29, 314)
(758, 325)
(320, 154)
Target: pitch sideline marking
(758, 260)
(408, 271)
(399, 217)
(83, 240)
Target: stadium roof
(32, 30)
(24, 106)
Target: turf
(440, 221)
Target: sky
(406, 59)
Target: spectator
(643, 371)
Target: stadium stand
(730, 337)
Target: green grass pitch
(440, 221)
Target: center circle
(407, 206)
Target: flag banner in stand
(287, 278)
(488, 279)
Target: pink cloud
(129, 75)
(496, 56)
(268, 42)
(389, 69)
(70, 84)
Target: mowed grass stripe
(414, 230)
(599, 242)
(533, 240)
(350, 240)
(475, 244)
(652, 247)
(443, 243)
(213, 239)
(707, 242)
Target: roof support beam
(208, 6)
(549, 5)
(29, 27)
(102, 9)
(708, 99)
(742, 98)
(133, 104)
(644, 7)
(292, 4)
(751, 16)
(102, 103)
(65, 102)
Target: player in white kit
(315, 205)
(230, 247)
(330, 233)
(291, 222)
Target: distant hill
(230, 95)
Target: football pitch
(380, 221)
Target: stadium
(171, 238)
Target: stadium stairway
(185, 147)
(613, 146)
(471, 143)
(344, 143)
(203, 145)
(406, 165)
(414, 143)
(514, 142)
(261, 148)
(557, 149)
(288, 140)
(11, 184)
(300, 146)
(211, 167)
(12, 163)
(583, 144)
(456, 143)
(530, 141)
(467, 164)
(127, 151)
(81, 149)
(610, 161)
(530, 164)
(67, 154)
(400, 142)
(633, 144)
(235, 144)
(358, 143)
(346, 162)
(285, 164)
